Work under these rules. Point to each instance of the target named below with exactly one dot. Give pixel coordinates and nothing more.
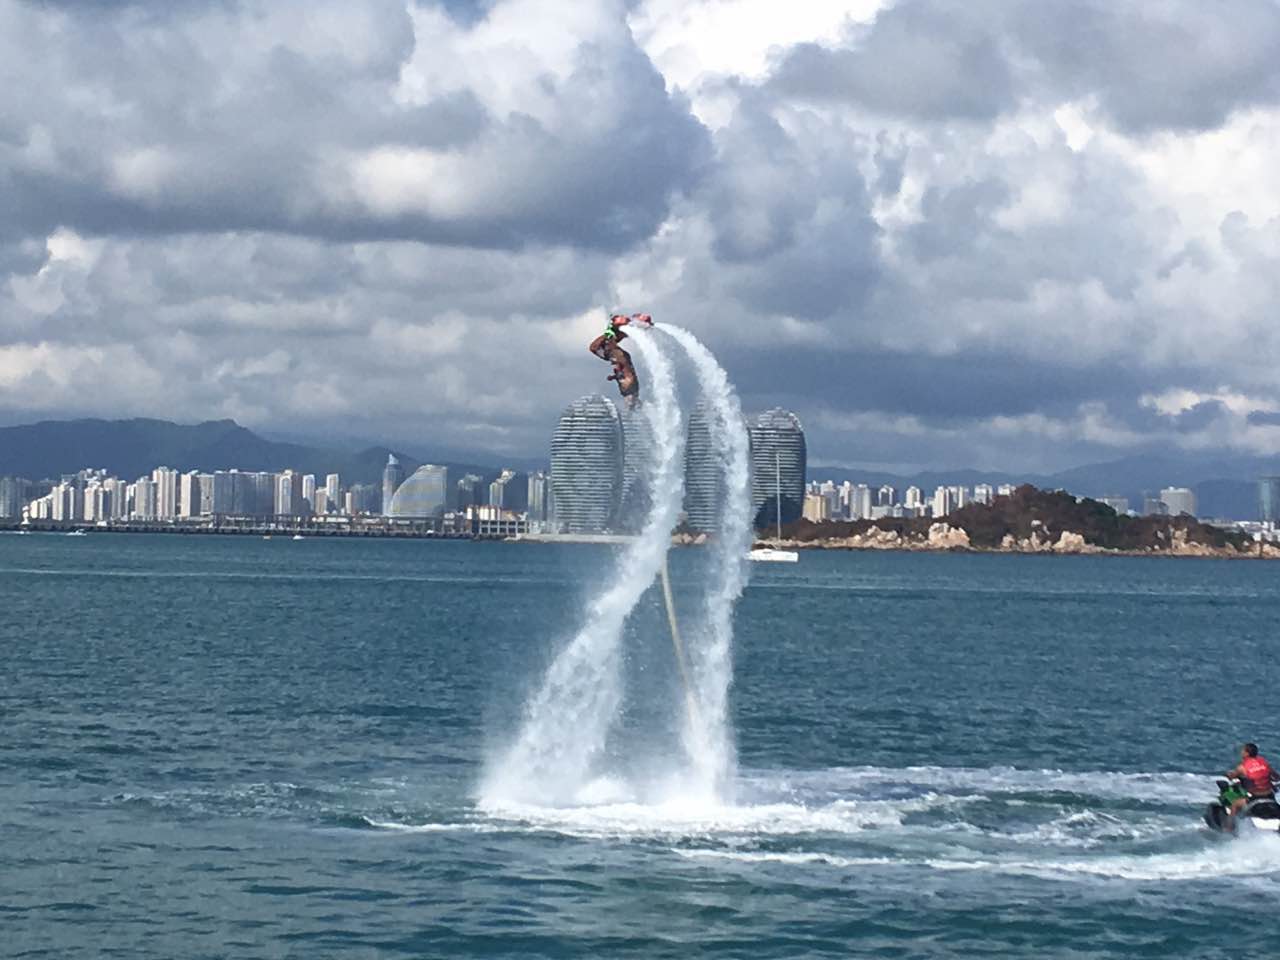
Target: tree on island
(1046, 514)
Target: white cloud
(379, 216)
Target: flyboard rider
(607, 347)
(1255, 775)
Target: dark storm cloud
(925, 60)
(791, 219)
(220, 125)
(972, 384)
(1179, 64)
(1171, 64)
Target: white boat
(775, 554)
(298, 536)
(76, 533)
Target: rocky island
(1031, 520)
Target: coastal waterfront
(229, 746)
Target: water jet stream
(708, 737)
(568, 720)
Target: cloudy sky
(946, 232)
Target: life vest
(1257, 775)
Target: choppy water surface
(236, 747)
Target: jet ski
(1260, 814)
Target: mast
(777, 462)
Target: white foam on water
(789, 859)
(847, 818)
(1203, 865)
(708, 736)
(685, 817)
(567, 722)
(457, 827)
(1110, 785)
(1252, 857)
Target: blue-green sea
(235, 747)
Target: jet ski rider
(1256, 775)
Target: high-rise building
(886, 496)
(13, 494)
(817, 507)
(586, 466)
(983, 493)
(703, 474)
(166, 481)
(189, 494)
(95, 501)
(831, 494)
(144, 499)
(67, 502)
(508, 493)
(362, 498)
(860, 502)
(221, 493)
(470, 491)
(1179, 501)
(1005, 490)
(288, 500)
(1153, 506)
(309, 489)
(333, 490)
(118, 491)
(252, 494)
(943, 501)
(424, 494)
(1116, 502)
(1269, 500)
(392, 477)
(538, 487)
(637, 457)
(913, 498)
(778, 462)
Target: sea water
(231, 747)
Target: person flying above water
(1256, 775)
(606, 347)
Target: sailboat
(776, 554)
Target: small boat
(298, 536)
(1261, 813)
(775, 554)
(76, 533)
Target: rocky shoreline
(946, 538)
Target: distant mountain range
(133, 448)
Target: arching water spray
(708, 736)
(567, 723)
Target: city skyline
(600, 449)
(1134, 477)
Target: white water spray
(708, 738)
(567, 723)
